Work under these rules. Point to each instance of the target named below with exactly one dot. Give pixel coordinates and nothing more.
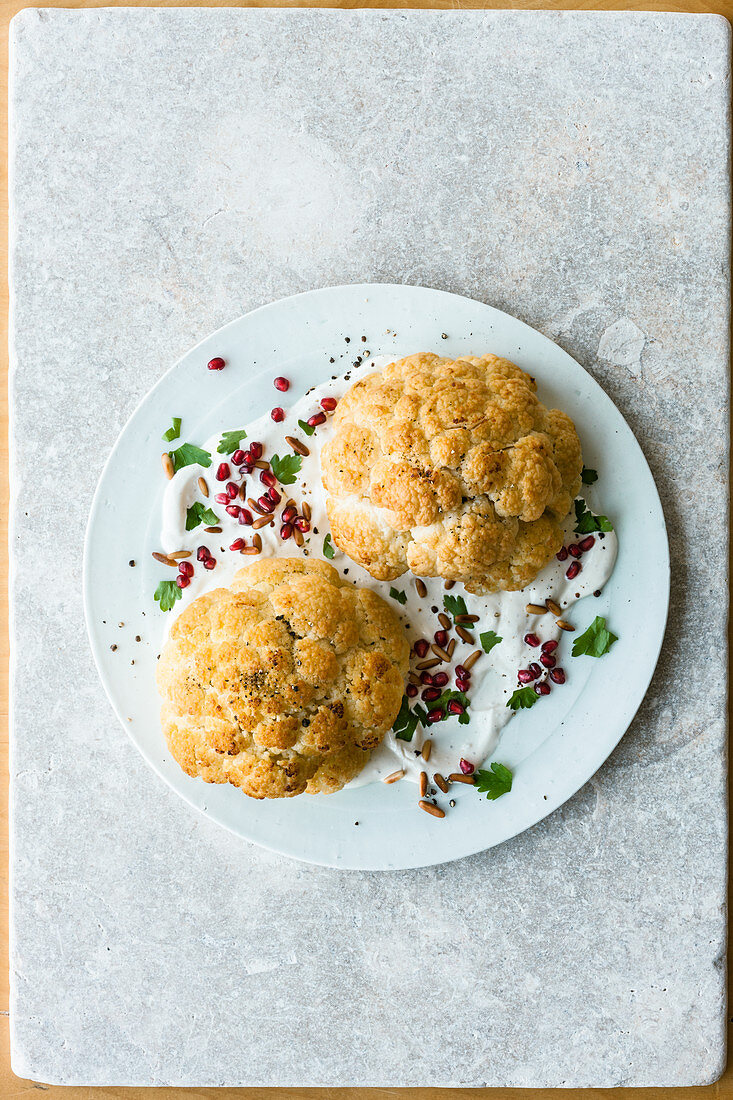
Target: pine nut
(427, 748)
(421, 588)
(440, 782)
(262, 521)
(296, 445)
(428, 664)
(393, 776)
(431, 809)
(164, 559)
(305, 510)
(451, 646)
(471, 661)
(257, 542)
(459, 777)
(563, 625)
(203, 487)
(298, 536)
(414, 679)
(180, 555)
(467, 618)
(289, 503)
(212, 530)
(448, 585)
(465, 636)
(256, 507)
(168, 468)
(440, 652)
(423, 784)
(262, 464)
(249, 550)
(553, 607)
(444, 621)
(536, 609)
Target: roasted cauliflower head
(450, 468)
(283, 682)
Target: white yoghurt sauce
(493, 676)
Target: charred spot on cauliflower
(283, 682)
(450, 468)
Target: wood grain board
(11, 1086)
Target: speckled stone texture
(171, 169)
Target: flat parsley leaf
(189, 455)
(585, 521)
(174, 432)
(285, 468)
(328, 548)
(406, 721)
(455, 605)
(166, 594)
(588, 476)
(199, 513)
(494, 783)
(307, 428)
(401, 597)
(231, 442)
(523, 698)
(488, 640)
(595, 641)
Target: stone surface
(173, 168)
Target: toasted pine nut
(203, 487)
(444, 621)
(168, 468)
(450, 647)
(257, 542)
(179, 555)
(472, 659)
(249, 550)
(298, 536)
(414, 678)
(212, 530)
(427, 748)
(262, 464)
(393, 776)
(262, 521)
(459, 777)
(164, 559)
(465, 636)
(305, 510)
(431, 663)
(536, 609)
(448, 585)
(467, 618)
(256, 508)
(297, 446)
(563, 625)
(420, 586)
(440, 782)
(431, 809)
(423, 784)
(553, 607)
(440, 652)
(289, 503)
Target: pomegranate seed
(574, 550)
(303, 525)
(531, 640)
(525, 676)
(535, 669)
(255, 449)
(286, 531)
(440, 679)
(465, 765)
(223, 473)
(441, 637)
(265, 504)
(542, 688)
(210, 563)
(183, 581)
(329, 403)
(249, 460)
(245, 517)
(430, 694)
(426, 678)
(455, 707)
(237, 544)
(281, 384)
(562, 554)
(186, 568)
(267, 477)
(238, 457)
(573, 571)
(289, 514)
(463, 685)
(587, 544)
(274, 496)
(202, 553)
(217, 363)
(435, 716)
(548, 660)
(277, 414)
(557, 675)
(411, 691)
(221, 498)
(462, 673)
(232, 490)
(550, 647)
(421, 647)
(233, 510)
(316, 419)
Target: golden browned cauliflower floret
(283, 682)
(450, 468)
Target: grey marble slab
(173, 168)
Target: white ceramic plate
(377, 826)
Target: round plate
(377, 827)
